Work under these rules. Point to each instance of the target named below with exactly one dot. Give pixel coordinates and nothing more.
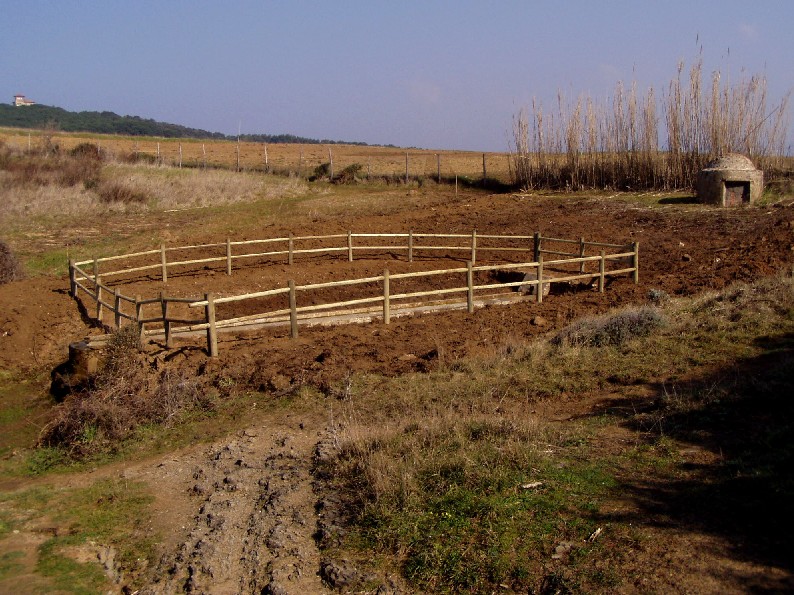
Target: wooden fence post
(484, 172)
(267, 165)
(386, 304)
(635, 262)
(539, 287)
(138, 317)
(438, 167)
(117, 307)
(166, 323)
(96, 268)
(536, 247)
(410, 245)
(72, 279)
(98, 286)
(293, 311)
(228, 256)
(474, 246)
(406, 167)
(470, 284)
(350, 246)
(331, 165)
(212, 332)
(601, 270)
(290, 248)
(581, 254)
(163, 262)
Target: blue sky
(432, 74)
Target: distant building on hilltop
(22, 100)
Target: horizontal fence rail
(539, 273)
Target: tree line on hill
(45, 116)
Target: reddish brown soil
(684, 249)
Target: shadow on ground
(744, 416)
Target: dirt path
(253, 517)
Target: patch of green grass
(110, 512)
(66, 574)
(9, 563)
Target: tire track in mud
(254, 528)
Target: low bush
(349, 174)
(123, 397)
(613, 329)
(10, 267)
(117, 192)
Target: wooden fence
(87, 277)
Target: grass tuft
(613, 329)
(10, 267)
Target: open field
(631, 441)
(301, 159)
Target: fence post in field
(539, 286)
(212, 332)
(96, 268)
(290, 248)
(204, 155)
(438, 167)
(180, 155)
(138, 317)
(410, 245)
(350, 246)
(228, 256)
(237, 152)
(406, 167)
(300, 164)
(166, 322)
(386, 305)
(484, 171)
(369, 167)
(117, 307)
(581, 254)
(267, 165)
(163, 262)
(470, 285)
(158, 154)
(601, 269)
(536, 247)
(474, 246)
(72, 279)
(635, 261)
(293, 311)
(331, 165)
(98, 285)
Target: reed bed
(638, 142)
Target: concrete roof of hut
(732, 161)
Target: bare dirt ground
(244, 514)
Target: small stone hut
(730, 180)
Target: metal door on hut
(736, 193)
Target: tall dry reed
(625, 144)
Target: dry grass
(31, 186)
